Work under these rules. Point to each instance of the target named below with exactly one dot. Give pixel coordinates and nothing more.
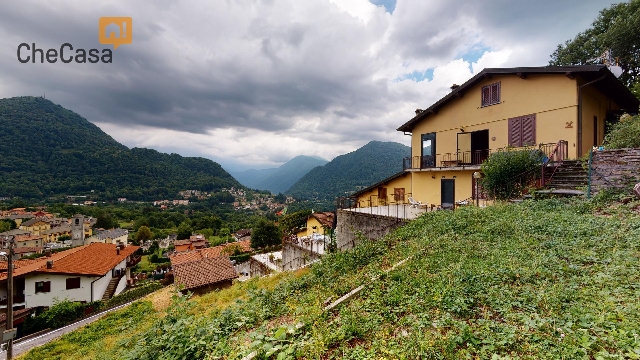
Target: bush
(624, 134)
(508, 173)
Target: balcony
(17, 299)
(472, 160)
(133, 260)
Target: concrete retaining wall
(615, 168)
(370, 226)
(294, 256)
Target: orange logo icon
(114, 30)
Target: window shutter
(47, 286)
(529, 129)
(515, 132)
(486, 96)
(495, 93)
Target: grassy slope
(533, 280)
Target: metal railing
(557, 151)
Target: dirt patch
(161, 299)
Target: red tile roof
(215, 251)
(325, 218)
(96, 259)
(182, 242)
(204, 272)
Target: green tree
(184, 230)
(616, 29)
(265, 233)
(624, 134)
(508, 173)
(143, 234)
(7, 224)
(62, 238)
(224, 233)
(295, 220)
(105, 221)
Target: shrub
(508, 173)
(624, 134)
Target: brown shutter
(495, 93)
(486, 95)
(515, 132)
(529, 129)
(398, 194)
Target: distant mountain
(279, 180)
(47, 150)
(371, 163)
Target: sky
(254, 83)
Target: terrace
(472, 160)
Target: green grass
(544, 279)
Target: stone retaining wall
(295, 256)
(614, 169)
(372, 227)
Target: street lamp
(477, 175)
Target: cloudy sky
(253, 83)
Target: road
(24, 346)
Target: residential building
(113, 236)
(86, 273)
(204, 275)
(35, 226)
(563, 111)
(318, 223)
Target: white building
(87, 273)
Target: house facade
(564, 111)
(87, 273)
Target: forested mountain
(279, 180)
(371, 163)
(47, 150)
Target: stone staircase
(111, 288)
(570, 175)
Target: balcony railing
(133, 260)
(553, 151)
(17, 299)
(457, 159)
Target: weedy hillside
(544, 279)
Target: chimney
(418, 111)
(47, 252)
(454, 86)
(118, 250)
(49, 264)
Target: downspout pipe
(580, 111)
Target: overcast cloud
(253, 83)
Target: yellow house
(562, 110)
(35, 226)
(317, 223)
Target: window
(491, 94)
(43, 286)
(522, 130)
(73, 283)
(398, 194)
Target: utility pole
(10, 297)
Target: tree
(508, 173)
(143, 234)
(296, 220)
(624, 134)
(7, 224)
(616, 29)
(265, 233)
(105, 221)
(184, 230)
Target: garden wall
(371, 226)
(615, 169)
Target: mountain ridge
(363, 167)
(280, 179)
(63, 153)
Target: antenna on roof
(611, 62)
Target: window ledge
(484, 106)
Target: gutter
(580, 110)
